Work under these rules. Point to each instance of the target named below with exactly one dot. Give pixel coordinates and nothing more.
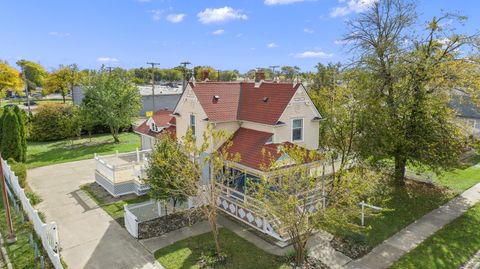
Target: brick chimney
(259, 76)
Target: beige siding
(187, 106)
(300, 107)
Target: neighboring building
(166, 96)
(261, 117)
(468, 114)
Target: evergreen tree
(11, 138)
(22, 119)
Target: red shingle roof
(266, 103)
(225, 108)
(254, 153)
(162, 119)
(243, 101)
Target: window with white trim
(297, 130)
(192, 123)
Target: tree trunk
(114, 132)
(63, 97)
(399, 173)
(212, 219)
(299, 247)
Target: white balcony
(122, 173)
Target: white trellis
(363, 205)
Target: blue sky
(224, 34)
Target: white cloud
(351, 6)
(175, 18)
(238, 35)
(59, 34)
(272, 45)
(107, 60)
(220, 15)
(280, 2)
(308, 31)
(156, 14)
(218, 32)
(312, 54)
(252, 48)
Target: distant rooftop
(163, 89)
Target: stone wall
(169, 223)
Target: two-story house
(260, 116)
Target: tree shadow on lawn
(450, 247)
(406, 204)
(240, 253)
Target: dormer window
(154, 127)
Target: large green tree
(411, 76)
(113, 98)
(34, 73)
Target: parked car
(32, 103)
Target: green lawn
(463, 177)
(21, 253)
(407, 204)
(449, 248)
(240, 253)
(112, 205)
(54, 152)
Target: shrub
(34, 198)
(11, 146)
(49, 122)
(20, 170)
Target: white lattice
(241, 212)
(232, 208)
(259, 222)
(250, 217)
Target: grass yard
(240, 253)
(449, 248)
(21, 253)
(405, 205)
(463, 177)
(54, 152)
(112, 205)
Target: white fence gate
(47, 232)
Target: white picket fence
(46, 231)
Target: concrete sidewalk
(385, 254)
(89, 237)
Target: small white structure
(123, 173)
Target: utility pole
(109, 68)
(273, 67)
(153, 84)
(185, 63)
(26, 90)
(11, 233)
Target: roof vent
(215, 99)
(265, 99)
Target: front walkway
(89, 237)
(385, 254)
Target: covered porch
(122, 173)
(237, 200)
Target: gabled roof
(228, 101)
(162, 119)
(226, 106)
(266, 103)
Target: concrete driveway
(89, 237)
